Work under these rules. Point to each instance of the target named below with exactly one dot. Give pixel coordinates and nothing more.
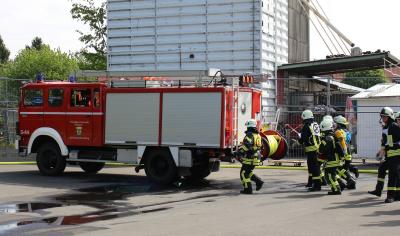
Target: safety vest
(314, 139)
(256, 142)
(341, 136)
(392, 148)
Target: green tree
(37, 43)
(55, 64)
(365, 79)
(93, 56)
(4, 52)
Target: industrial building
(236, 36)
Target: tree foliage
(37, 43)
(93, 56)
(4, 52)
(55, 65)
(365, 79)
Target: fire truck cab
(169, 130)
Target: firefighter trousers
(394, 176)
(348, 166)
(247, 175)
(383, 167)
(314, 170)
(344, 174)
(331, 177)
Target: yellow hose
(273, 142)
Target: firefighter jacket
(341, 137)
(310, 136)
(252, 143)
(331, 149)
(391, 139)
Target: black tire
(160, 167)
(49, 159)
(198, 172)
(91, 167)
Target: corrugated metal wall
(236, 36)
(184, 35)
(299, 33)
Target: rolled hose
(274, 145)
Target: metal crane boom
(328, 23)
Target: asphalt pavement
(118, 201)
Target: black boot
(375, 192)
(258, 181)
(389, 200)
(356, 172)
(248, 190)
(378, 189)
(323, 181)
(334, 193)
(351, 184)
(316, 186)
(342, 184)
(309, 182)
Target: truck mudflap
(274, 145)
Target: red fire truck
(167, 128)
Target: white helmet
(251, 123)
(307, 114)
(387, 111)
(341, 120)
(326, 125)
(397, 115)
(328, 117)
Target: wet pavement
(118, 202)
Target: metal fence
(323, 97)
(9, 96)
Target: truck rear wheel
(199, 172)
(91, 167)
(160, 167)
(49, 159)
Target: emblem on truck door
(78, 130)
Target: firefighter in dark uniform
(248, 155)
(391, 146)
(310, 138)
(383, 166)
(332, 151)
(341, 138)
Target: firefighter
(391, 148)
(383, 166)
(330, 149)
(310, 138)
(341, 135)
(248, 155)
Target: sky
(370, 24)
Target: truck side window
(56, 97)
(80, 98)
(33, 97)
(96, 98)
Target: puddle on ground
(107, 202)
(26, 207)
(28, 225)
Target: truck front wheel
(160, 167)
(91, 167)
(49, 159)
